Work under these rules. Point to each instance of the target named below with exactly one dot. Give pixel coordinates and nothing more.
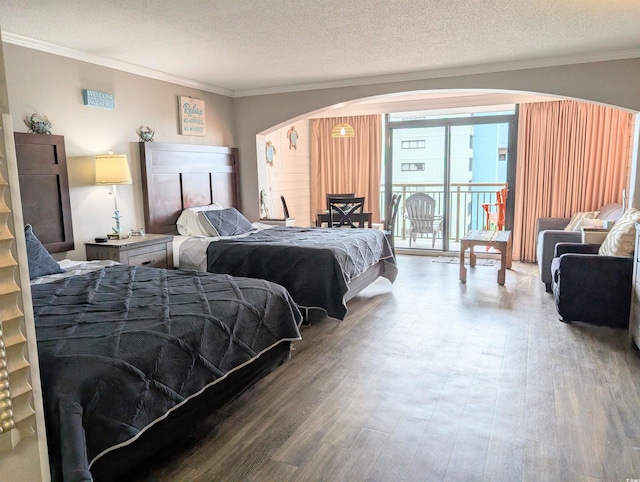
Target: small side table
(279, 222)
(594, 235)
(500, 240)
(153, 250)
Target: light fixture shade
(112, 169)
(343, 130)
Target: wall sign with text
(192, 122)
(94, 98)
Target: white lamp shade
(112, 169)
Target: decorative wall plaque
(192, 120)
(98, 99)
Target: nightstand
(279, 222)
(154, 250)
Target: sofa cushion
(611, 212)
(620, 241)
(576, 220)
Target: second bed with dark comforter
(315, 265)
(123, 346)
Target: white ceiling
(243, 47)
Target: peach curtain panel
(572, 156)
(341, 165)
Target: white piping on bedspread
(175, 407)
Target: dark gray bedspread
(314, 264)
(122, 346)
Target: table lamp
(113, 169)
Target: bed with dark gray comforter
(124, 349)
(315, 265)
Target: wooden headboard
(44, 189)
(180, 176)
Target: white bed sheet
(190, 252)
(73, 268)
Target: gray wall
(52, 85)
(613, 83)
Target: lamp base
(118, 235)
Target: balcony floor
(423, 246)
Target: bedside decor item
(343, 130)
(113, 169)
(145, 133)
(192, 121)
(38, 124)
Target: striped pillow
(620, 241)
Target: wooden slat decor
(17, 417)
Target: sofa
(552, 231)
(590, 287)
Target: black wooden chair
(347, 212)
(329, 196)
(389, 223)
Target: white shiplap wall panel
(290, 174)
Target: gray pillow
(227, 222)
(41, 263)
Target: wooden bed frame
(44, 189)
(179, 176)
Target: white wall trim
(110, 63)
(359, 81)
(450, 72)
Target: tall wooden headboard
(180, 176)
(44, 189)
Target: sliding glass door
(456, 164)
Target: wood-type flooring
(432, 380)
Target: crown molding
(359, 81)
(110, 63)
(448, 72)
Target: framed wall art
(192, 119)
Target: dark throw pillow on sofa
(41, 263)
(228, 222)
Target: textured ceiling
(251, 46)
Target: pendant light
(343, 130)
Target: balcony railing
(465, 202)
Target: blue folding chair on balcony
(420, 212)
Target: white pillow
(576, 220)
(188, 223)
(592, 223)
